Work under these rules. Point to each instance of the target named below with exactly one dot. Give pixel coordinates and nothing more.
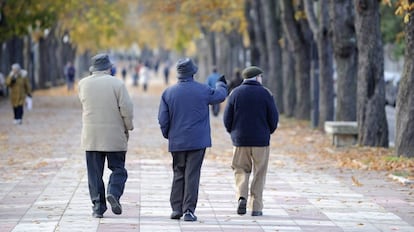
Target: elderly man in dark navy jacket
(250, 117)
(185, 121)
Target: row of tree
(319, 34)
(43, 35)
(299, 43)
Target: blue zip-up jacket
(251, 115)
(184, 114)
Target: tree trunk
(203, 60)
(4, 61)
(372, 121)
(314, 25)
(236, 62)
(404, 141)
(300, 37)
(212, 42)
(254, 49)
(259, 30)
(44, 77)
(83, 62)
(314, 85)
(28, 60)
(274, 78)
(346, 57)
(11, 52)
(326, 98)
(289, 87)
(223, 55)
(15, 49)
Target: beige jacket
(107, 113)
(19, 89)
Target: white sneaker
(17, 121)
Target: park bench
(344, 133)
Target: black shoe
(115, 205)
(189, 216)
(97, 215)
(257, 213)
(176, 215)
(241, 208)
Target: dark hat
(186, 67)
(251, 71)
(100, 62)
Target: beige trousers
(246, 160)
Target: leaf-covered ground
(313, 146)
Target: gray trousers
(184, 191)
(95, 162)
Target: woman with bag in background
(19, 87)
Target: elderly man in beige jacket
(107, 114)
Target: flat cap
(251, 71)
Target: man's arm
(126, 108)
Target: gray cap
(100, 62)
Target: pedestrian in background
(166, 71)
(184, 120)
(124, 73)
(70, 75)
(211, 81)
(20, 88)
(107, 114)
(144, 75)
(236, 80)
(2, 85)
(250, 117)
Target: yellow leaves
(183, 21)
(92, 24)
(41, 164)
(407, 18)
(299, 15)
(404, 8)
(356, 182)
(399, 11)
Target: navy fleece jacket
(251, 115)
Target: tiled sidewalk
(52, 195)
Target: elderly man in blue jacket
(250, 117)
(184, 120)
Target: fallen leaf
(356, 182)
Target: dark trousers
(184, 190)
(18, 112)
(216, 109)
(95, 162)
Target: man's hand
(222, 79)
